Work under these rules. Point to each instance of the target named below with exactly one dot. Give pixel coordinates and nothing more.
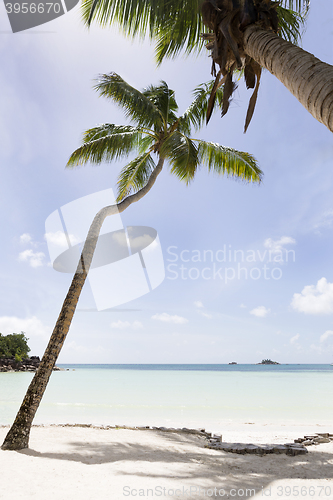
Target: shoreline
(67, 461)
(299, 446)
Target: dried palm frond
(227, 20)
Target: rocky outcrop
(298, 447)
(318, 438)
(214, 441)
(26, 365)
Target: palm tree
(240, 33)
(158, 136)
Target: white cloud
(122, 325)
(32, 327)
(276, 246)
(326, 335)
(137, 242)
(243, 306)
(140, 242)
(35, 259)
(294, 339)
(315, 299)
(167, 318)
(59, 239)
(325, 220)
(206, 315)
(25, 239)
(198, 304)
(260, 311)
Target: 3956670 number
(304, 491)
(33, 8)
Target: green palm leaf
(229, 161)
(134, 16)
(175, 25)
(171, 143)
(106, 143)
(164, 99)
(196, 113)
(136, 105)
(291, 24)
(299, 6)
(180, 32)
(146, 143)
(182, 154)
(135, 175)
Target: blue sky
(286, 314)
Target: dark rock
(321, 440)
(279, 448)
(293, 451)
(26, 365)
(251, 448)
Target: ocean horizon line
(203, 366)
(196, 364)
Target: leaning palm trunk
(306, 77)
(18, 435)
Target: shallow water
(177, 395)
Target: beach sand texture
(65, 463)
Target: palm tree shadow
(195, 464)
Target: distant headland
(25, 365)
(14, 356)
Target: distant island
(268, 362)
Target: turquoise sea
(177, 395)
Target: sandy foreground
(89, 464)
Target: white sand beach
(64, 463)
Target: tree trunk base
(16, 439)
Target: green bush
(14, 345)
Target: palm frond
(134, 16)
(299, 6)
(146, 143)
(175, 25)
(105, 142)
(228, 161)
(180, 33)
(291, 24)
(164, 99)
(196, 113)
(141, 17)
(182, 154)
(135, 104)
(135, 175)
